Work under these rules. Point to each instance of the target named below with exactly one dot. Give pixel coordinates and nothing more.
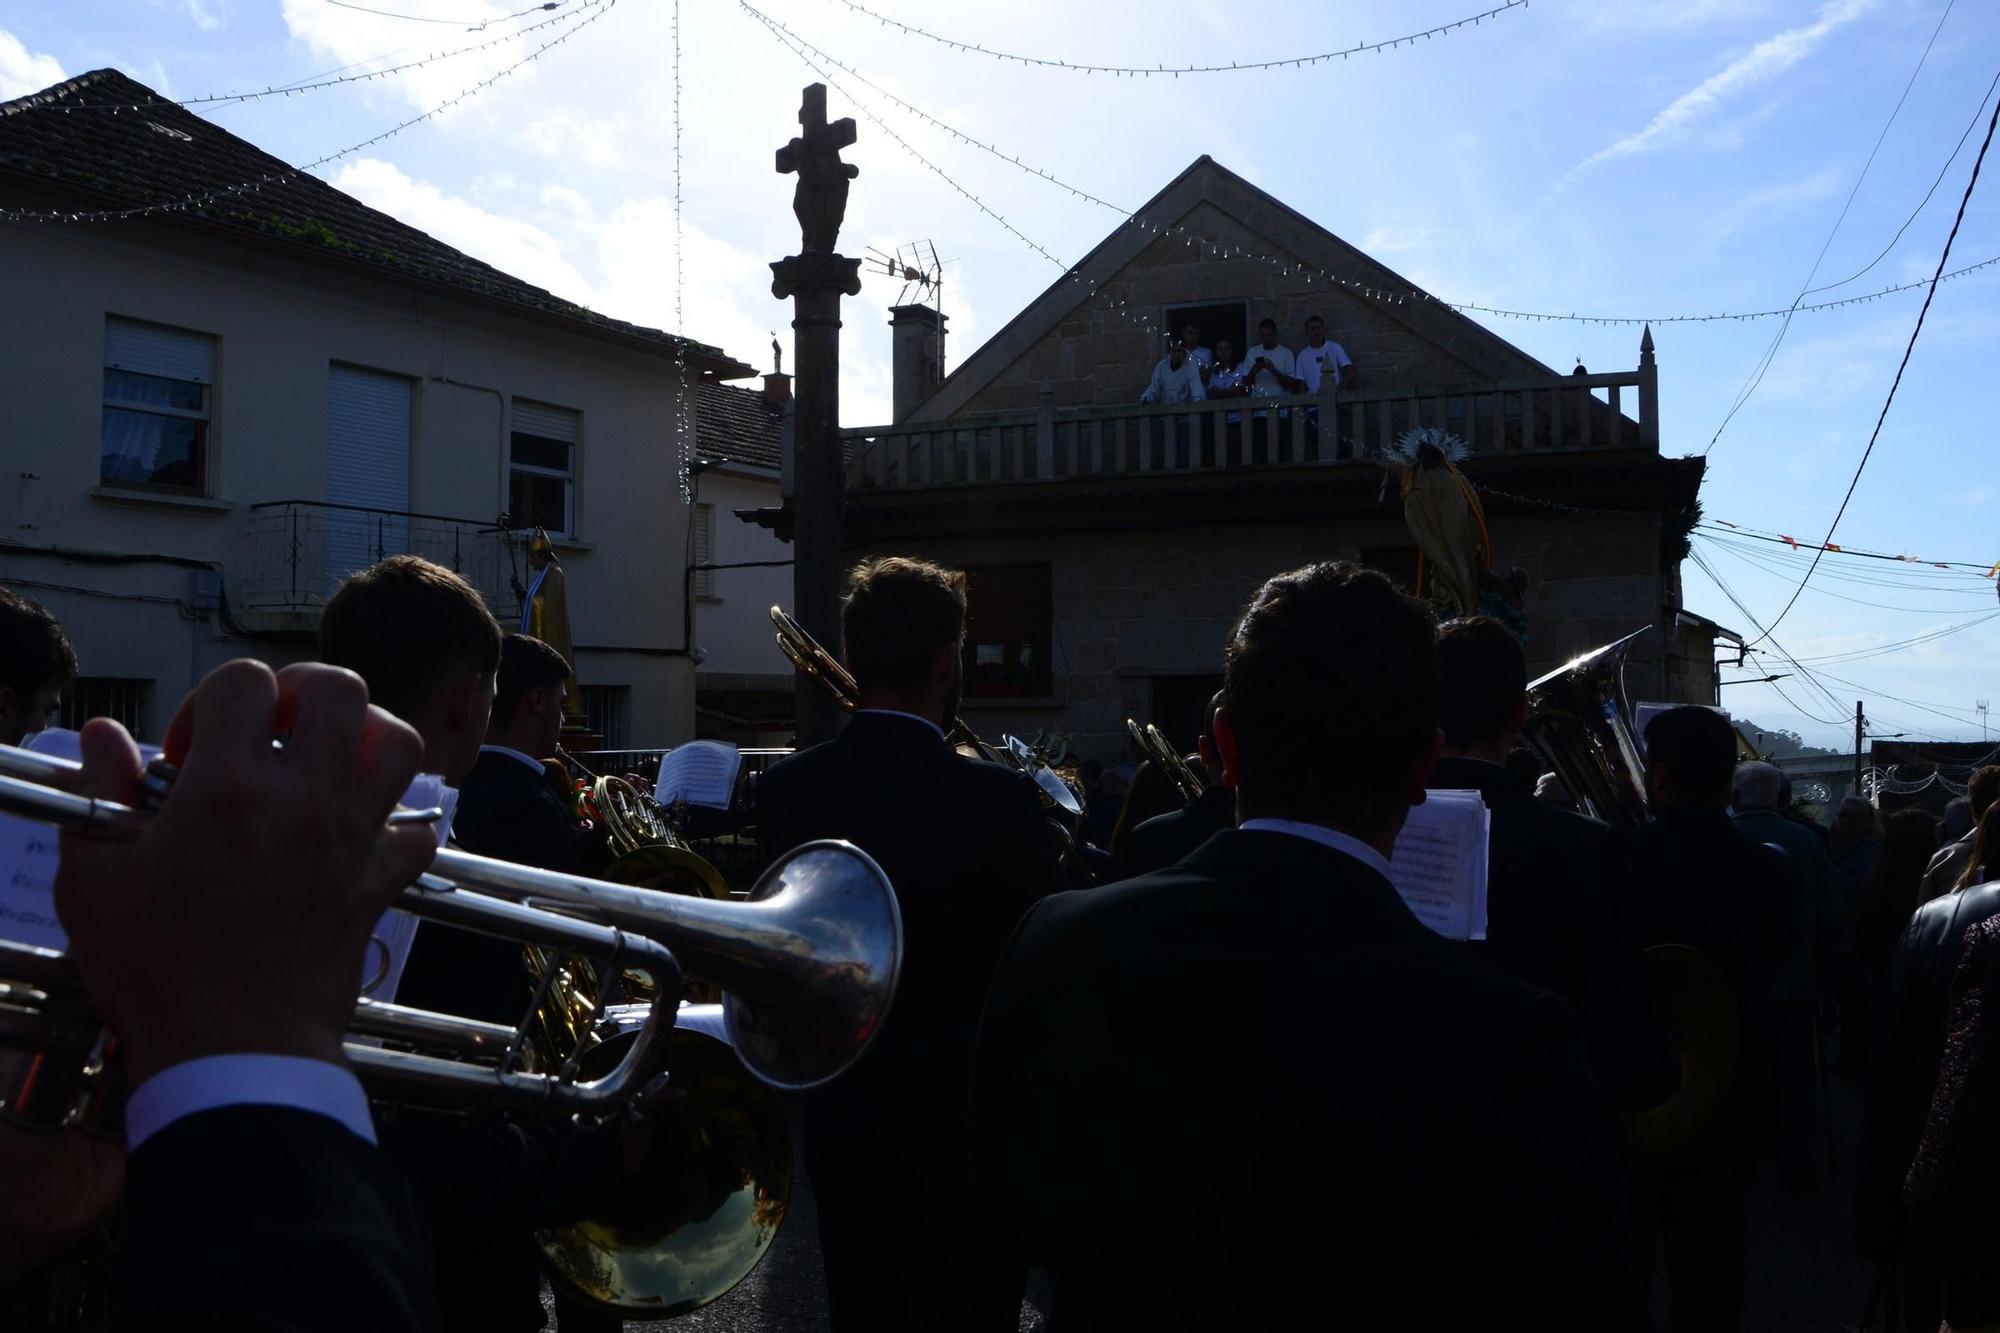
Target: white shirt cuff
(216, 1081)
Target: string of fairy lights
(591, 10)
(337, 80)
(1213, 248)
(1175, 71)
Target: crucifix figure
(820, 201)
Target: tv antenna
(916, 266)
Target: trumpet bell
(703, 1207)
(800, 1025)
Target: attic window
(170, 131)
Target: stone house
(232, 384)
(1110, 545)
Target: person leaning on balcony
(1203, 358)
(1318, 354)
(1270, 366)
(1177, 379)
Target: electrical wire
(470, 25)
(1908, 349)
(1743, 395)
(1143, 71)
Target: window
(158, 384)
(123, 699)
(541, 476)
(1229, 319)
(1008, 615)
(604, 712)
(704, 550)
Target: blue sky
(1622, 157)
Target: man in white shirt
(1177, 379)
(1270, 366)
(1203, 358)
(1319, 356)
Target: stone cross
(814, 280)
(820, 201)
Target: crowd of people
(1233, 1079)
(1193, 371)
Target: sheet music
(1439, 863)
(700, 773)
(30, 853)
(389, 943)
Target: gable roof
(68, 140)
(736, 424)
(1207, 181)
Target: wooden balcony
(1562, 413)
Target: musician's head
(528, 697)
(1482, 688)
(1330, 702)
(37, 664)
(423, 640)
(1690, 759)
(1757, 786)
(903, 622)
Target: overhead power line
(1874, 435)
(470, 25)
(1149, 71)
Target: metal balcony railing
(300, 550)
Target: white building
(229, 398)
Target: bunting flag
(1792, 542)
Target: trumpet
(808, 966)
(1059, 803)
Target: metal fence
(300, 550)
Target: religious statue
(820, 201)
(545, 616)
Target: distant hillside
(1778, 743)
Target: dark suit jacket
(260, 1217)
(1164, 839)
(964, 845)
(1698, 881)
(1559, 918)
(1253, 1084)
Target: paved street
(1804, 1277)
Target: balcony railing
(300, 550)
(1057, 444)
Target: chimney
(777, 391)
(916, 357)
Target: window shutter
(704, 549)
(550, 423)
(154, 349)
(367, 439)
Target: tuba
(1578, 722)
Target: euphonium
(1579, 723)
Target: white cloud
(1392, 239)
(1773, 203)
(208, 15)
(22, 73)
(1763, 62)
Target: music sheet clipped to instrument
(29, 857)
(1439, 863)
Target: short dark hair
(1482, 676)
(1314, 319)
(1983, 790)
(407, 627)
(1331, 684)
(35, 651)
(896, 614)
(1697, 749)
(1267, 323)
(526, 663)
